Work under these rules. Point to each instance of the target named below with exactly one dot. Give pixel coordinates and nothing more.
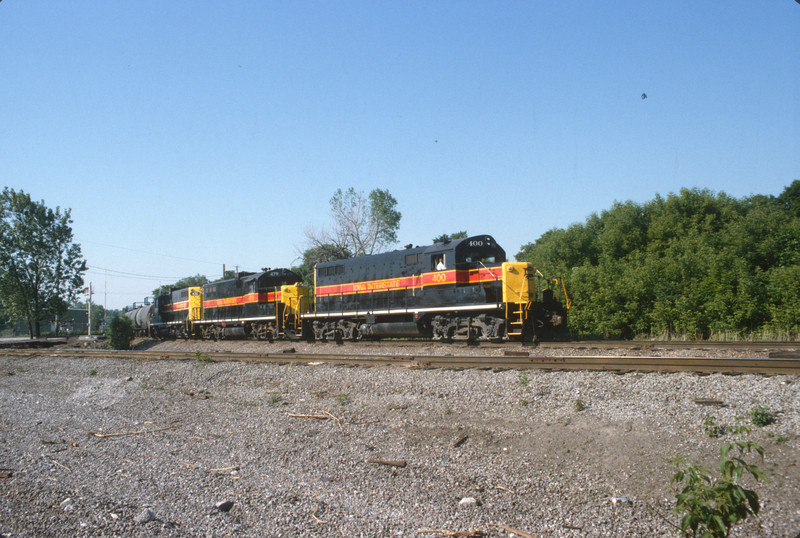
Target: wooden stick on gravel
(474, 533)
(61, 465)
(391, 463)
(505, 489)
(121, 434)
(338, 420)
(231, 468)
(514, 531)
(320, 417)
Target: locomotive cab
(478, 252)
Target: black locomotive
(462, 289)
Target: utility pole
(89, 324)
(105, 300)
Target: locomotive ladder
(516, 315)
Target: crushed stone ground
(113, 447)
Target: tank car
(140, 317)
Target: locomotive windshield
(486, 256)
(478, 251)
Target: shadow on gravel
(143, 344)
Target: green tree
(361, 225)
(41, 269)
(120, 332)
(790, 198)
(3, 316)
(98, 315)
(444, 238)
(319, 254)
(185, 282)
(694, 263)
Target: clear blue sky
(184, 135)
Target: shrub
(120, 332)
(711, 427)
(761, 416)
(713, 507)
(524, 379)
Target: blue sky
(185, 135)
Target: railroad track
(520, 360)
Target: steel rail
(690, 344)
(519, 361)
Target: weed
(202, 358)
(343, 399)
(579, 406)
(448, 411)
(20, 369)
(523, 401)
(781, 439)
(92, 372)
(524, 379)
(761, 416)
(713, 507)
(275, 399)
(711, 427)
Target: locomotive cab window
(477, 253)
(437, 262)
(480, 258)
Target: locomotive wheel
(259, 330)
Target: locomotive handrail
(567, 301)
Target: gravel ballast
(104, 446)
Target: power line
(151, 253)
(114, 272)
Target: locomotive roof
(486, 240)
(279, 273)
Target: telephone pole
(89, 324)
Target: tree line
(693, 264)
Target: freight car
(462, 289)
(459, 290)
(140, 316)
